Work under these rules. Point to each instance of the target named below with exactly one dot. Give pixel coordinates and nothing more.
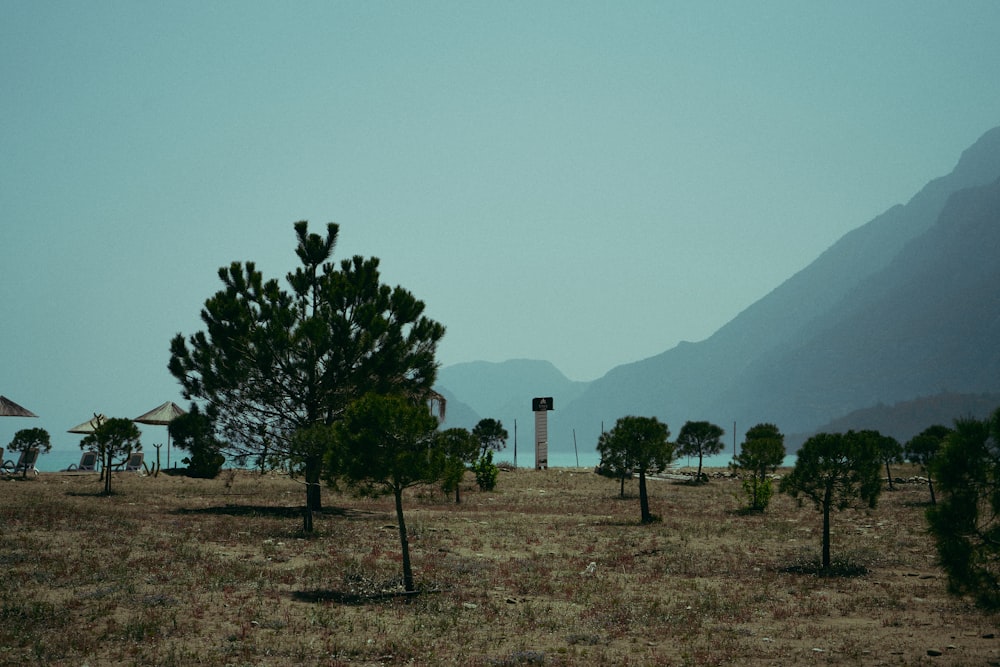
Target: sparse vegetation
(272, 361)
(835, 470)
(890, 452)
(922, 450)
(701, 439)
(486, 472)
(642, 444)
(762, 452)
(384, 445)
(966, 523)
(460, 449)
(180, 571)
(195, 433)
(27, 439)
(491, 434)
(114, 437)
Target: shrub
(758, 492)
(762, 453)
(486, 472)
(204, 464)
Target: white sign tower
(541, 407)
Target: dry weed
(551, 568)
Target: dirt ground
(551, 568)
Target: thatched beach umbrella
(88, 427)
(162, 415)
(9, 408)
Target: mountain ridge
(736, 374)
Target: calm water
(61, 458)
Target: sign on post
(541, 406)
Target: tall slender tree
(966, 523)
(272, 361)
(460, 449)
(834, 470)
(922, 449)
(762, 452)
(383, 445)
(30, 438)
(491, 435)
(114, 437)
(700, 439)
(890, 451)
(644, 442)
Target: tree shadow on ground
(278, 512)
(839, 569)
(631, 523)
(351, 598)
(746, 511)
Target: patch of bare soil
(552, 568)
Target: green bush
(486, 472)
(204, 464)
(758, 492)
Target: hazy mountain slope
(929, 322)
(686, 382)
(458, 414)
(906, 419)
(504, 390)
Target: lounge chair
(134, 463)
(88, 463)
(25, 463)
(6, 466)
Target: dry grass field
(178, 571)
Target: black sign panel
(540, 404)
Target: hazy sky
(587, 183)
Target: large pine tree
(272, 361)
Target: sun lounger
(88, 463)
(134, 463)
(25, 463)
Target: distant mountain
(904, 306)
(906, 419)
(504, 391)
(928, 322)
(758, 366)
(457, 413)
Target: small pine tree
(30, 438)
(642, 443)
(762, 452)
(195, 433)
(964, 522)
(115, 437)
(922, 449)
(833, 470)
(486, 472)
(700, 439)
(460, 449)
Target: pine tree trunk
(827, 501)
(314, 466)
(107, 475)
(643, 498)
(404, 542)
